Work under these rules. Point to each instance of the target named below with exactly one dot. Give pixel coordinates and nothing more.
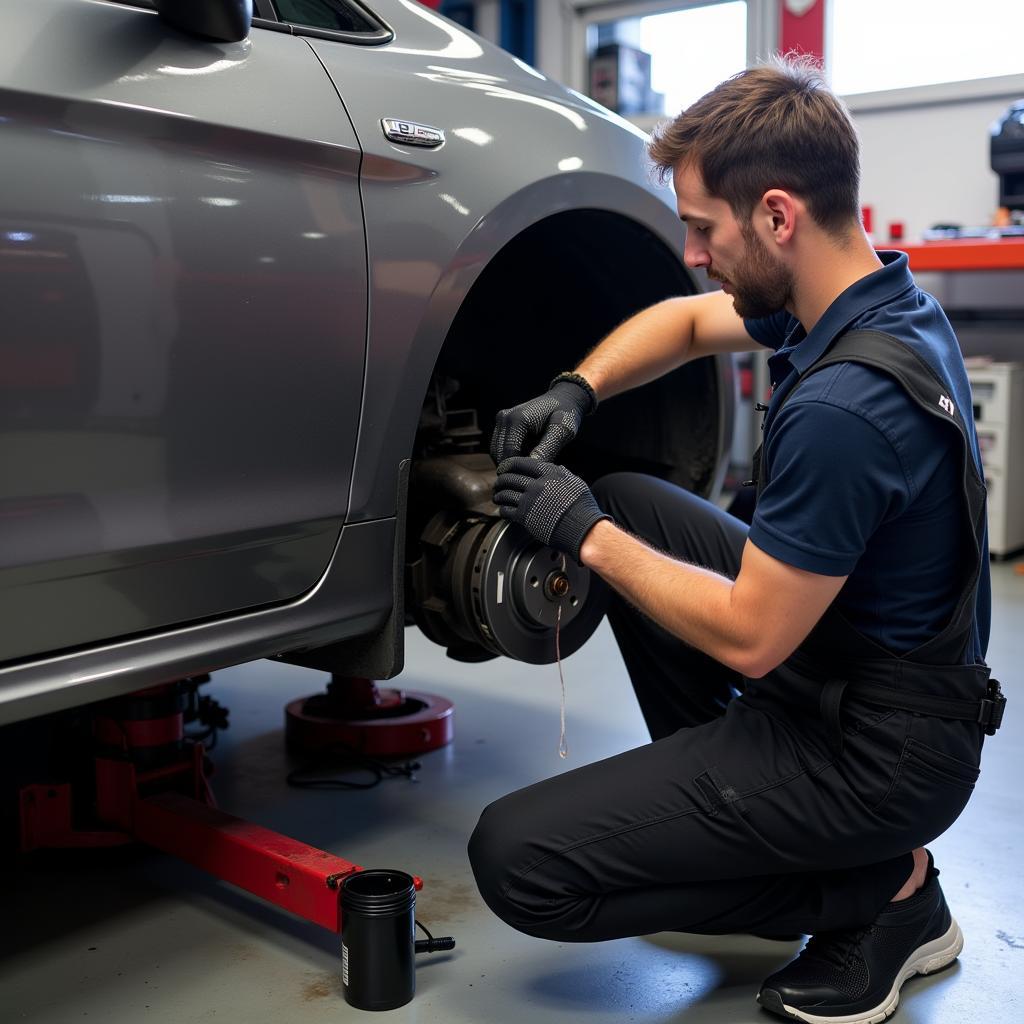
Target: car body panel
(519, 147)
(181, 495)
(333, 609)
(182, 269)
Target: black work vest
(932, 678)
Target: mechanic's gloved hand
(554, 417)
(555, 506)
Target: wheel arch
(618, 245)
(523, 299)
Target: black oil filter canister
(378, 939)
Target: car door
(183, 284)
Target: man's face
(730, 251)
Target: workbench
(966, 254)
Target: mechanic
(815, 687)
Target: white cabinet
(997, 394)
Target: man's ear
(779, 210)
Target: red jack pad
(356, 713)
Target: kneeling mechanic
(815, 685)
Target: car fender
(402, 350)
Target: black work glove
(555, 417)
(555, 506)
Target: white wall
(929, 164)
(488, 19)
(924, 162)
(554, 33)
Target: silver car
(263, 290)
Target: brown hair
(777, 125)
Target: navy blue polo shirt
(862, 482)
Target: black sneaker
(854, 976)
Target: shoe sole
(927, 959)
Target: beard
(761, 284)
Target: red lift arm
(172, 808)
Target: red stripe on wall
(803, 32)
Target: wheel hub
(483, 587)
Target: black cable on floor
(323, 773)
(430, 944)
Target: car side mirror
(226, 21)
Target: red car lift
(357, 715)
(152, 787)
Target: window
(331, 19)
(657, 63)
(875, 45)
(333, 15)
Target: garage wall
(930, 164)
(924, 151)
(554, 32)
(488, 19)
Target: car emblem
(408, 133)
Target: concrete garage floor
(136, 936)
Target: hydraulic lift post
(171, 807)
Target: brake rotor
(486, 588)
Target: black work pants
(738, 816)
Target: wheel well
(542, 303)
